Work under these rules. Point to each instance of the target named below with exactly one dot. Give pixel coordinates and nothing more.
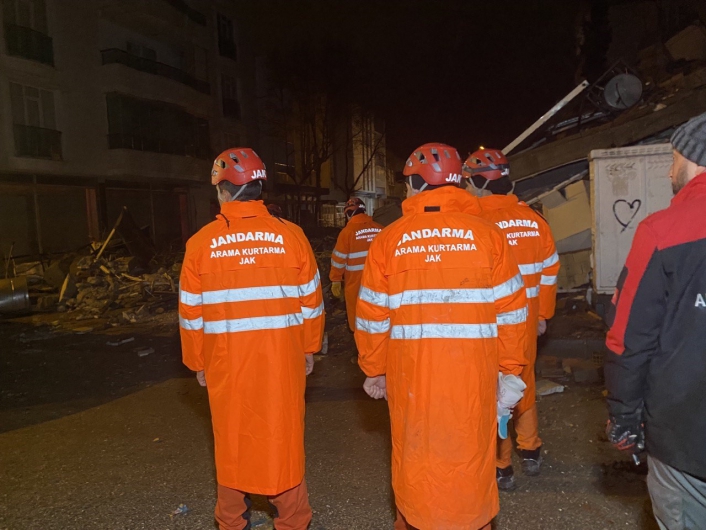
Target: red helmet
(238, 166)
(437, 164)
(490, 164)
(352, 206)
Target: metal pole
(556, 108)
(36, 215)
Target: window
(34, 122)
(155, 126)
(226, 38)
(229, 94)
(26, 30)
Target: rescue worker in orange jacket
(440, 324)
(349, 254)
(251, 315)
(532, 244)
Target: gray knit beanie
(690, 139)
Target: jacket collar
(695, 188)
(446, 199)
(360, 218)
(235, 209)
(498, 202)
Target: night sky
(463, 72)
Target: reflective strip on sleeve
(441, 296)
(551, 260)
(247, 294)
(310, 287)
(444, 331)
(530, 268)
(509, 287)
(547, 280)
(191, 325)
(354, 267)
(372, 326)
(340, 254)
(373, 297)
(253, 324)
(338, 265)
(518, 316)
(355, 255)
(188, 298)
(532, 292)
(313, 313)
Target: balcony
(37, 142)
(117, 56)
(183, 7)
(231, 108)
(29, 44)
(157, 145)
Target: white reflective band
(310, 288)
(355, 267)
(340, 254)
(313, 313)
(373, 297)
(441, 296)
(509, 287)
(337, 265)
(518, 316)
(188, 298)
(247, 294)
(191, 325)
(531, 268)
(532, 292)
(551, 260)
(253, 324)
(548, 280)
(357, 255)
(372, 326)
(444, 331)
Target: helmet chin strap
(242, 188)
(409, 181)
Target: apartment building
(112, 103)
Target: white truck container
(627, 184)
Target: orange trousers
(293, 510)
(527, 429)
(402, 524)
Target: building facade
(113, 103)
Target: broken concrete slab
(544, 387)
(583, 371)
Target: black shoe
(506, 478)
(531, 461)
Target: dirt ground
(94, 436)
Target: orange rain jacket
(442, 310)
(533, 246)
(348, 258)
(250, 308)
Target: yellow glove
(336, 290)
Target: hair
(417, 182)
(502, 186)
(249, 192)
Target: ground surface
(96, 437)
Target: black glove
(627, 432)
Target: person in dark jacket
(656, 369)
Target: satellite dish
(623, 91)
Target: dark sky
(464, 72)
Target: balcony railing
(117, 56)
(231, 108)
(157, 145)
(37, 142)
(28, 43)
(228, 48)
